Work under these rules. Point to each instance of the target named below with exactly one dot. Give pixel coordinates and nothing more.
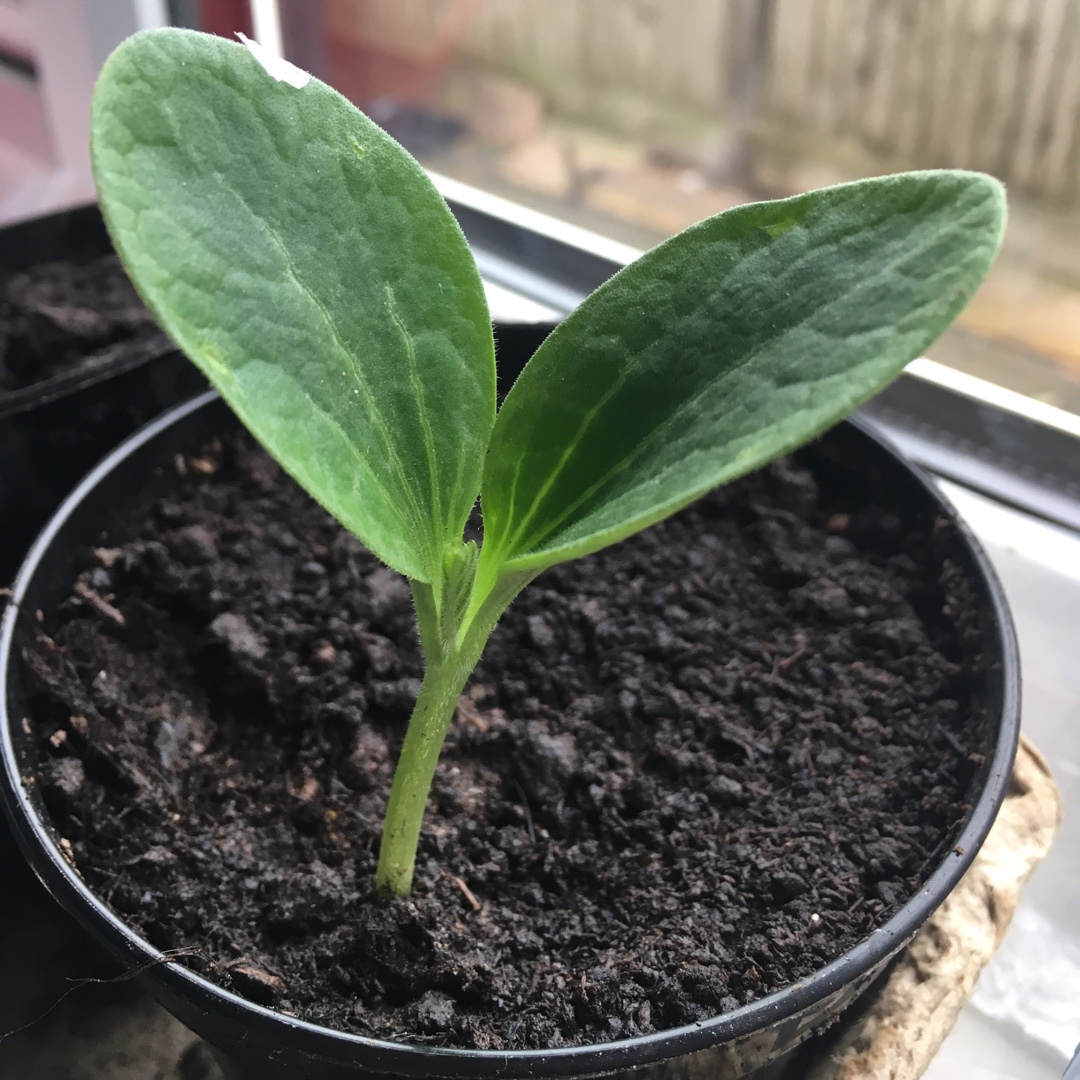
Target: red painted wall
(225, 17)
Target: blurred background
(639, 117)
(636, 118)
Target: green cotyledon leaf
(306, 263)
(733, 342)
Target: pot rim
(111, 361)
(59, 877)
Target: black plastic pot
(255, 1042)
(53, 430)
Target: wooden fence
(985, 84)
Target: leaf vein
(353, 367)
(421, 403)
(532, 542)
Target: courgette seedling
(306, 263)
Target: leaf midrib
(376, 417)
(421, 407)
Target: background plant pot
(256, 1042)
(51, 431)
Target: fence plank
(690, 62)
(857, 61)
(1035, 122)
(991, 84)
(789, 72)
(997, 71)
(1059, 172)
(883, 45)
(938, 129)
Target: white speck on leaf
(276, 66)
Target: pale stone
(540, 166)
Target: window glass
(637, 117)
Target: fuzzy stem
(428, 725)
(451, 652)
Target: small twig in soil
(465, 890)
(100, 605)
(468, 713)
(782, 665)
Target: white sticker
(276, 66)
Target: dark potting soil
(689, 771)
(60, 316)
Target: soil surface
(689, 771)
(59, 316)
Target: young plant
(309, 267)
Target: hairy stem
(451, 652)
(428, 725)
